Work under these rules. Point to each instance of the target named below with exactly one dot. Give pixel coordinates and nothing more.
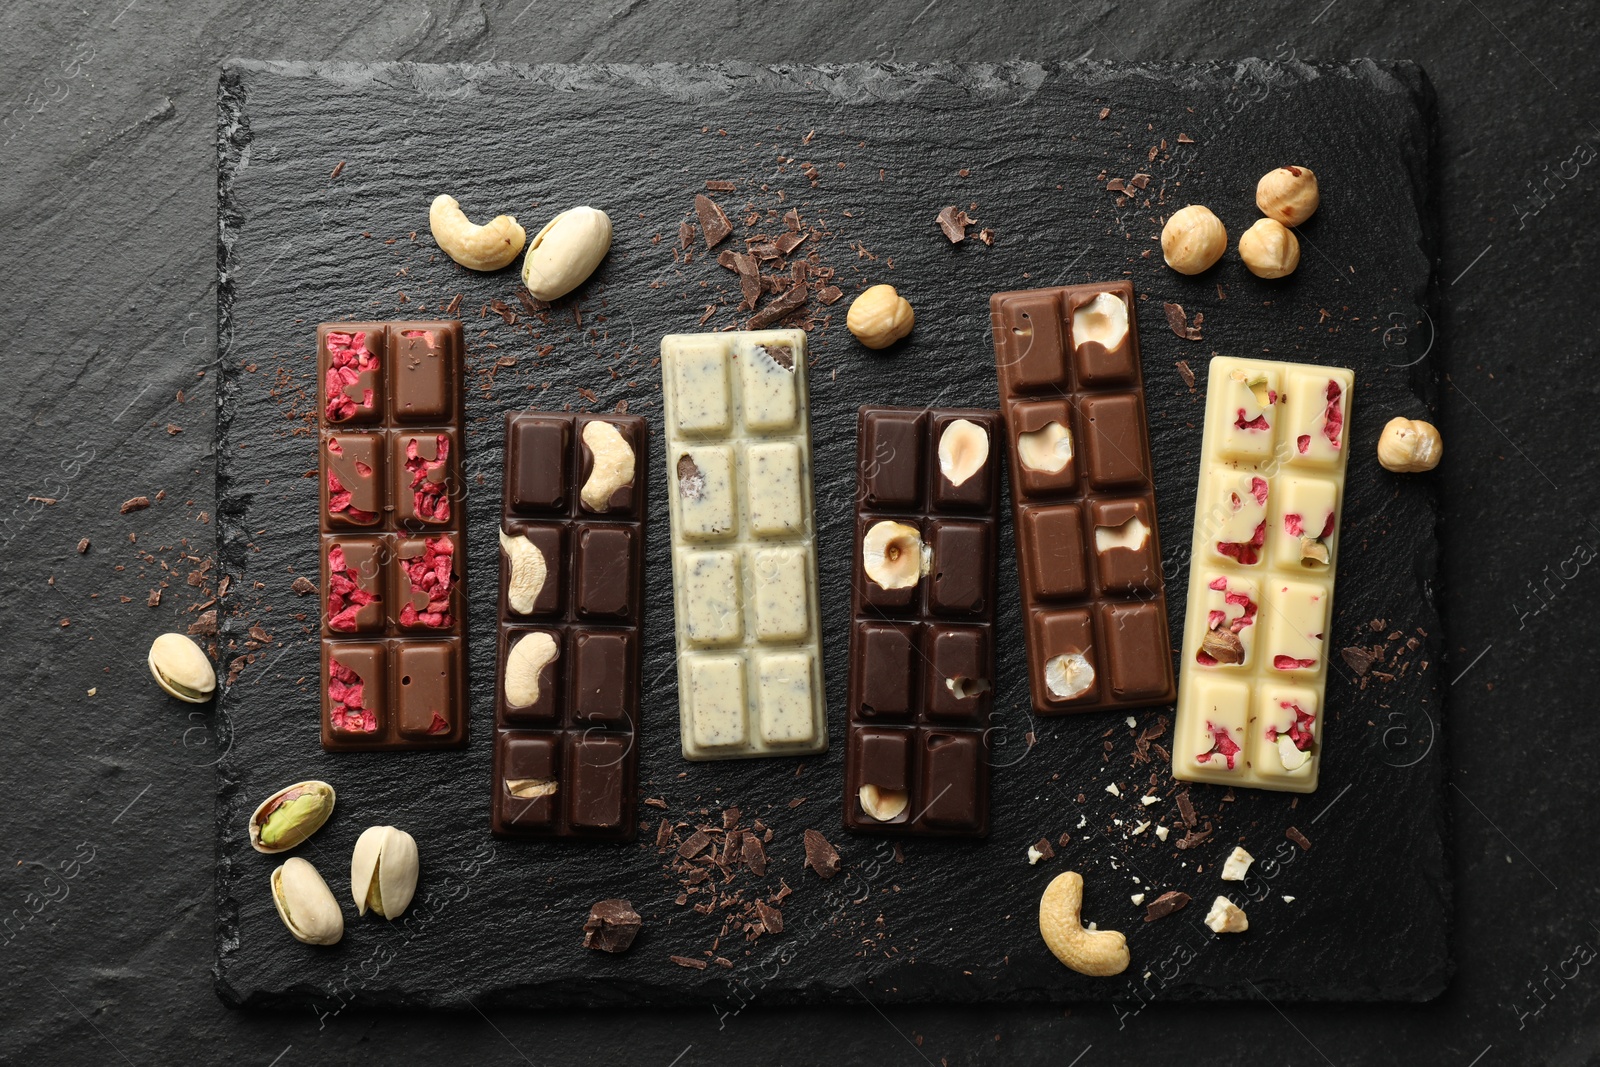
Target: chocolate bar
(922, 637)
(1093, 597)
(566, 747)
(1254, 665)
(394, 596)
(744, 570)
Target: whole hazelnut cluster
(1194, 238)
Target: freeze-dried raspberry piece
(348, 359)
(1333, 420)
(1222, 744)
(438, 725)
(1246, 552)
(1218, 584)
(347, 695)
(432, 574)
(1289, 663)
(1257, 423)
(1303, 443)
(346, 598)
(1258, 489)
(1300, 732)
(429, 499)
(1327, 528)
(1294, 525)
(1239, 600)
(338, 496)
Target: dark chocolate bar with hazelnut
(1093, 598)
(567, 691)
(922, 634)
(392, 522)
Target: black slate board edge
(1000, 83)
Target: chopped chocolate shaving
(1105, 113)
(987, 237)
(685, 234)
(687, 961)
(205, 625)
(1179, 322)
(154, 599)
(1042, 847)
(954, 222)
(303, 585)
(1298, 838)
(755, 856)
(1115, 185)
(714, 224)
(697, 841)
(1184, 138)
(829, 294)
(749, 279)
(1140, 181)
(728, 258)
(611, 927)
(776, 309)
(720, 185)
(656, 802)
(771, 917)
(1357, 658)
(138, 503)
(730, 818)
(663, 834)
(1195, 837)
(1165, 905)
(788, 242)
(1064, 840)
(1185, 373)
(1186, 808)
(821, 856)
(83, 546)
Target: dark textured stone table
(109, 134)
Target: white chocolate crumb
(1083, 820)
(1132, 722)
(1226, 917)
(1034, 855)
(1137, 898)
(1114, 866)
(1148, 800)
(1287, 899)
(1113, 790)
(1162, 832)
(1092, 926)
(93, 691)
(1237, 865)
(1141, 828)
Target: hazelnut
(1068, 676)
(1407, 446)
(894, 556)
(963, 450)
(1193, 239)
(1047, 449)
(1288, 195)
(1270, 249)
(1103, 320)
(882, 804)
(880, 316)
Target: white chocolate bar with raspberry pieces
(1254, 661)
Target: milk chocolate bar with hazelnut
(922, 634)
(567, 691)
(389, 418)
(1093, 597)
(1254, 664)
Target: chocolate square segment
(921, 684)
(1087, 544)
(389, 443)
(587, 607)
(1029, 340)
(525, 772)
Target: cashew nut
(1097, 953)
(475, 247)
(613, 464)
(528, 572)
(524, 663)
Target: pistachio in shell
(180, 667)
(383, 871)
(290, 815)
(306, 904)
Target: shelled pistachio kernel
(290, 815)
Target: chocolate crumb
(656, 802)
(754, 855)
(138, 503)
(1105, 113)
(154, 599)
(1186, 808)
(1298, 838)
(205, 625)
(1064, 840)
(821, 856)
(987, 237)
(663, 834)
(1184, 138)
(303, 585)
(83, 546)
(1165, 905)
(1195, 837)
(730, 818)
(1179, 322)
(1042, 847)
(1357, 658)
(771, 918)
(688, 961)
(792, 300)
(697, 841)
(1185, 373)
(954, 222)
(719, 185)
(714, 224)
(611, 927)
(829, 294)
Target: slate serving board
(325, 172)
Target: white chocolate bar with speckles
(1254, 664)
(744, 567)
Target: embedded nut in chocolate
(894, 556)
(524, 663)
(383, 871)
(1193, 239)
(613, 464)
(531, 788)
(1097, 953)
(290, 815)
(563, 254)
(1103, 320)
(1047, 449)
(182, 669)
(1068, 675)
(1270, 249)
(529, 570)
(963, 450)
(306, 904)
(1223, 645)
(1408, 446)
(1288, 194)
(1292, 756)
(880, 316)
(487, 247)
(885, 805)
